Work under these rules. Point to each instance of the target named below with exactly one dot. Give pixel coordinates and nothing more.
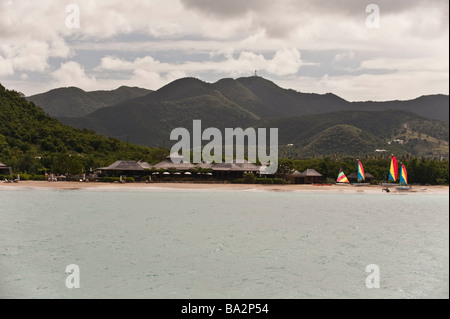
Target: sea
(208, 244)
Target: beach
(373, 189)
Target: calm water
(227, 244)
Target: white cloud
(6, 67)
(73, 74)
(244, 36)
(148, 79)
(284, 62)
(406, 64)
(375, 87)
(346, 56)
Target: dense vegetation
(33, 142)
(361, 133)
(315, 124)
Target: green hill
(74, 102)
(258, 102)
(341, 140)
(150, 119)
(434, 107)
(356, 133)
(32, 141)
(261, 97)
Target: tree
(67, 164)
(285, 168)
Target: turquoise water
(222, 244)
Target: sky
(386, 51)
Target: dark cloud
(277, 17)
(235, 8)
(357, 7)
(228, 8)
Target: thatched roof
(296, 174)
(145, 165)
(355, 176)
(206, 165)
(311, 173)
(127, 166)
(169, 164)
(308, 173)
(236, 166)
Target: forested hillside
(31, 141)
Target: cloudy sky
(308, 45)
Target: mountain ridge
(258, 95)
(75, 102)
(258, 102)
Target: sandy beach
(377, 189)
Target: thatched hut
(169, 164)
(5, 170)
(353, 177)
(234, 169)
(126, 168)
(310, 176)
(205, 165)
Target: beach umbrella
(187, 173)
(166, 173)
(177, 173)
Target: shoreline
(335, 189)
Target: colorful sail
(342, 178)
(361, 174)
(393, 173)
(403, 176)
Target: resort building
(126, 168)
(168, 164)
(205, 165)
(310, 176)
(168, 169)
(234, 169)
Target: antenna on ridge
(256, 72)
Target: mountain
(307, 120)
(435, 107)
(150, 119)
(31, 141)
(259, 96)
(267, 100)
(74, 102)
(358, 133)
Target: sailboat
(342, 178)
(403, 180)
(361, 175)
(393, 173)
